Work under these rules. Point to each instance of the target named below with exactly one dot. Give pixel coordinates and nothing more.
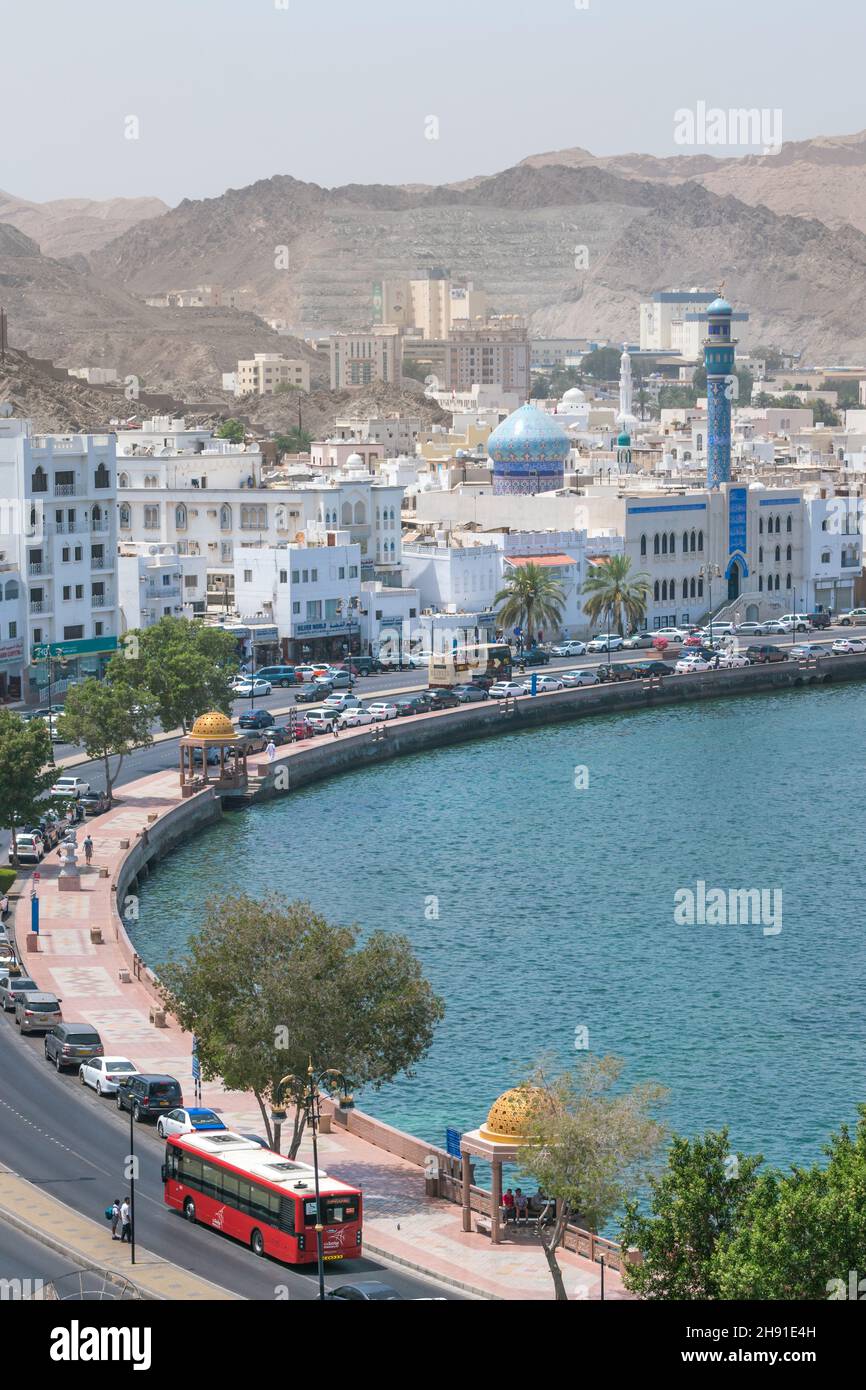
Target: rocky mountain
(526, 235)
(76, 226)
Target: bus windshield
(335, 1210)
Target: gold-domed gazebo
(499, 1140)
(213, 730)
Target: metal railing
(37, 567)
(104, 600)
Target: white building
(58, 528)
(397, 434)
(264, 373)
(670, 322)
(311, 592)
(155, 582)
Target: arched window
(692, 589)
(778, 580)
(700, 540)
(685, 588)
(760, 526)
(700, 443)
(643, 545)
(769, 525)
(778, 525)
(760, 583)
(664, 590)
(656, 544)
(180, 516)
(360, 514)
(673, 544)
(125, 516)
(788, 552)
(95, 515)
(379, 516)
(393, 549)
(789, 525)
(760, 554)
(11, 588)
(102, 477)
(787, 581)
(656, 591)
(700, 588)
(693, 544)
(778, 553)
(39, 481)
(824, 524)
(225, 517)
(685, 541)
(665, 543)
(347, 513)
(392, 516)
(123, 480)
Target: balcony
(69, 490)
(101, 526)
(41, 605)
(39, 567)
(101, 562)
(103, 600)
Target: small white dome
(574, 396)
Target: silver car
(37, 1012)
(13, 987)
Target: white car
(605, 644)
(848, 646)
(543, 684)
(749, 629)
(382, 709)
(810, 649)
(571, 679)
(776, 626)
(501, 689)
(352, 718)
(341, 703)
(688, 665)
(105, 1073)
(31, 848)
(796, 622)
(673, 634)
(733, 660)
(185, 1121)
(251, 687)
(69, 786)
(569, 649)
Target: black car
(485, 681)
(147, 1095)
(256, 719)
(70, 1044)
(820, 619)
(471, 693)
(312, 694)
(442, 699)
(535, 656)
(365, 1291)
(414, 704)
(280, 734)
(94, 803)
(653, 668)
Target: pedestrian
(88, 848)
(335, 729)
(271, 750)
(115, 1218)
(125, 1222)
(4, 907)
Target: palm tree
(612, 591)
(531, 598)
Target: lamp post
(794, 620)
(709, 573)
(63, 663)
(311, 1098)
(132, 1184)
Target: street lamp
(709, 573)
(311, 1099)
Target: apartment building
(358, 359)
(263, 374)
(310, 591)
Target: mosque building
(528, 451)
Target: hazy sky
(229, 91)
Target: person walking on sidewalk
(88, 849)
(115, 1218)
(125, 1223)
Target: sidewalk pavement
(400, 1223)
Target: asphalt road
(25, 1259)
(62, 1137)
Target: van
(820, 619)
(277, 675)
(147, 1094)
(760, 655)
(37, 1013)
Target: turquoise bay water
(556, 906)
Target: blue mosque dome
(719, 306)
(528, 451)
(624, 439)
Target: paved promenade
(401, 1223)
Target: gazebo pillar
(496, 1201)
(467, 1191)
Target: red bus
(223, 1180)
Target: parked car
(278, 734)
(148, 1094)
(849, 646)
(365, 1291)
(804, 650)
(820, 620)
(255, 719)
(14, 986)
(774, 627)
(383, 709)
(442, 699)
(304, 674)
(568, 649)
(340, 680)
(105, 1074)
(341, 703)
(695, 662)
(70, 786)
(322, 720)
(653, 668)
(413, 704)
(572, 679)
(749, 629)
(31, 849)
(354, 718)
(188, 1122)
(277, 675)
(37, 1012)
(603, 643)
(471, 693)
(855, 618)
(502, 690)
(251, 686)
(543, 685)
(94, 803)
(312, 694)
(766, 653)
(731, 661)
(68, 1044)
(533, 656)
(795, 622)
(624, 671)
(248, 741)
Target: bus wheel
(189, 1209)
(257, 1243)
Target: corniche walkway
(401, 1223)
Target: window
(225, 517)
(79, 591)
(825, 557)
(284, 576)
(787, 581)
(353, 571)
(673, 544)
(789, 525)
(305, 576)
(685, 588)
(692, 589)
(700, 588)
(788, 553)
(314, 576)
(151, 518)
(700, 540)
(314, 610)
(39, 481)
(760, 583)
(664, 590)
(760, 554)
(778, 553)
(125, 516)
(643, 545)
(778, 524)
(693, 542)
(664, 544)
(656, 545)
(64, 554)
(74, 633)
(102, 477)
(656, 590)
(342, 572)
(248, 576)
(97, 629)
(685, 541)
(123, 480)
(77, 552)
(67, 592)
(296, 576)
(180, 516)
(360, 514)
(296, 610)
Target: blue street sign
(534, 681)
(452, 1142)
(34, 914)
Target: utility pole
(3, 341)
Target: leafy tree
(297, 441)
(771, 356)
(602, 364)
(588, 1146)
(800, 1234)
(541, 387)
(847, 392)
(530, 599)
(268, 985)
(179, 667)
(610, 589)
(25, 749)
(108, 721)
(232, 430)
(696, 1204)
(824, 414)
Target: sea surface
(537, 874)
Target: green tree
(25, 749)
(268, 985)
(824, 414)
(541, 387)
(531, 599)
(696, 1204)
(588, 1145)
(108, 720)
(296, 441)
(611, 590)
(847, 391)
(232, 430)
(771, 356)
(179, 667)
(602, 364)
(801, 1234)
